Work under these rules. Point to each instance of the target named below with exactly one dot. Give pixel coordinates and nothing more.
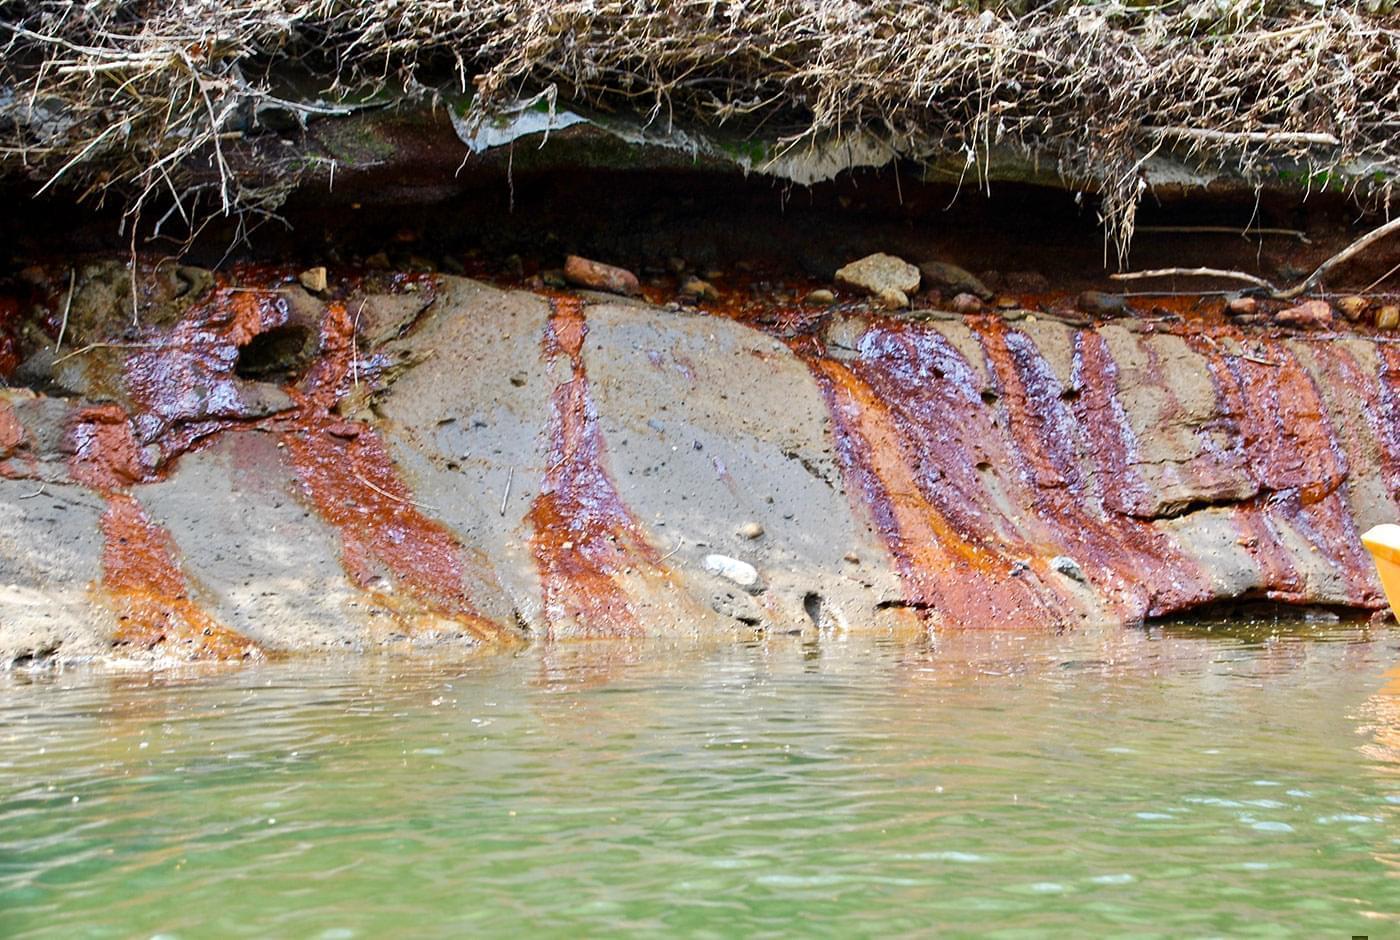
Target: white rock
(740, 572)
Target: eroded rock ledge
(440, 460)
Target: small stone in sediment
(1102, 304)
(1388, 317)
(699, 289)
(1352, 307)
(967, 303)
(852, 557)
(883, 276)
(553, 278)
(1311, 314)
(1242, 306)
(893, 299)
(751, 530)
(954, 278)
(583, 272)
(740, 572)
(821, 296)
(313, 279)
(1007, 303)
(1068, 567)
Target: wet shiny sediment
(464, 463)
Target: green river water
(1197, 782)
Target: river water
(1226, 781)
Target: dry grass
(164, 102)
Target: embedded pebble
(313, 279)
(740, 572)
(1312, 314)
(751, 530)
(1242, 307)
(583, 272)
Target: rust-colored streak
(389, 545)
(104, 455)
(141, 580)
(583, 537)
(1140, 570)
(1104, 419)
(11, 431)
(10, 347)
(147, 591)
(1289, 448)
(1387, 416)
(951, 565)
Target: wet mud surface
(460, 462)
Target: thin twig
(1252, 137)
(1193, 272)
(1376, 283)
(1346, 254)
(388, 495)
(355, 346)
(67, 306)
(506, 498)
(1224, 230)
(38, 492)
(91, 346)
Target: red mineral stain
(1290, 449)
(1387, 415)
(148, 592)
(584, 538)
(1137, 567)
(390, 546)
(10, 352)
(141, 580)
(182, 381)
(902, 455)
(11, 431)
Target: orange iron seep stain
(147, 591)
(390, 547)
(584, 538)
(141, 580)
(945, 570)
(1141, 571)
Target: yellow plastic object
(1383, 542)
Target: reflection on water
(1196, 781)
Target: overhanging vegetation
(170, 103)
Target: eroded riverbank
(255, 467)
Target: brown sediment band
(583, 537)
